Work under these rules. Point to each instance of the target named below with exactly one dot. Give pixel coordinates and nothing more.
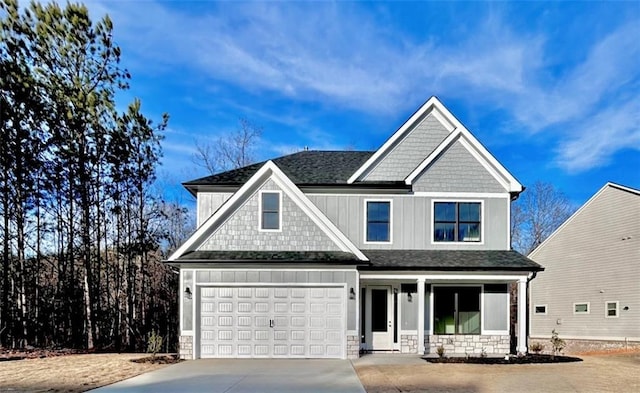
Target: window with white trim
(457, 221)
(611, 309)
(270, 211)
(540, 309)
(581, 308)
(378, 228)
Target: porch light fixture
(409, 297)
(352, 293)
(187, 293)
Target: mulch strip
(528, 359)
(159, 359)
(36, 353)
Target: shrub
(440, 351)
(557, 343)
(536, 347)
(154, 343)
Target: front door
(381, 318)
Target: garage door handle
(271, 323)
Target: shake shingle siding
(594, 258)
(410, 151)
(456, 170)
(240, 231)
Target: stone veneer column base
(353, 347)
(186, 347)
(408, 343)
(468, 344)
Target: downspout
(528, 327)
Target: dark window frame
(368, 238)
(457, 222)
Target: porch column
(421, 316)
(522, 316)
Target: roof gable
(268, 172)
(433, 107)
(608, 187)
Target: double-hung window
(378, 226)
(457, 310)
(270, 211)
(457, 221)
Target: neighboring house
(590, 289)
(324, 254)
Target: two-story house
(324, 254)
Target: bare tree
(230, 151)
(538, 212)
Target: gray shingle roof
(448, 260)
(303, 168)
(269, 256)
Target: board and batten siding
(593, 258)
(412, 221)
(261, 276)
(410, 151)
(208, 203)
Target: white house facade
(326, 254)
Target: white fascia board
(314, 213)
(270, 170)
(427, 106)
(443, 277)
(202, 233)
(572, 217)
(475, 148)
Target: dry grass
(602, 373)
(73, 373)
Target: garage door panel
(272, 322)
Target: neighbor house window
(541, 309)
(456, 310)
(581, 308)
(378, 221)
(612, 309)
(456, 221)
(270, 211)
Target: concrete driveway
(246, 375)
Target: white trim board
(268, 171)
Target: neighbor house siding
(410, 151)
(593, 258)
(290, 276)
(209, 202)
(456, 170)
(241, 231)
(412, 221)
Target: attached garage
(272, 321)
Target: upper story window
(457, 222)
(270, 202)
(581, 308)
(378, 226)
(612, 309)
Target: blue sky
(551, 89)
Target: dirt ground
(597, 373)
(71, 373)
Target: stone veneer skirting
(575, 347)
(186, 347)
(353, 347)
(408, 343)
(469, 344)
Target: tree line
(83, 233)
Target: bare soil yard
(597, 373)
(70, 373)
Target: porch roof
(449, 260)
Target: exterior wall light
(187, 293)
(352, 293)
(409, 297)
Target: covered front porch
(417, 301)
(417, 313)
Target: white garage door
(270, 322)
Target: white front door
(381, 318)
